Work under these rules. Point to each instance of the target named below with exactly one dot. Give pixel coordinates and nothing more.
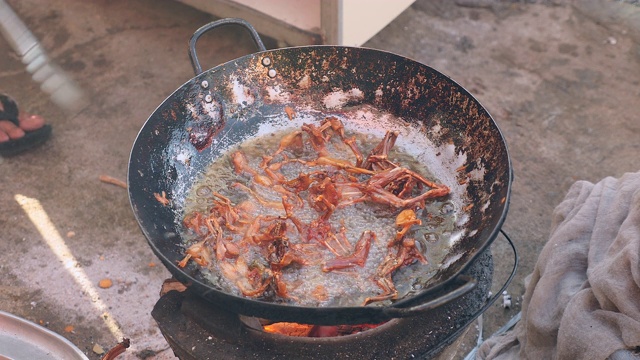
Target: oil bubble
(447, 208)
(431, 237)
(203, 191)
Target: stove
(198, 329)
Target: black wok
(371, 91)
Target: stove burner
(196, 329)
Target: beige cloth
(582, 300)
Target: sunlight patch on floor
(54, 240)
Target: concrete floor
(561, 79)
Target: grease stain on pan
(276, 94)
(338, 99)
(211, 109)
(451, 260)
(305, 82)
(478, 173)
(241, 94)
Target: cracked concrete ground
(561, 79)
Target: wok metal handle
(223, 22)
(469, 284)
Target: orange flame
(306, 330)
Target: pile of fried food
(228, 231)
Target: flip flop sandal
(29, 140)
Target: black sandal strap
(10, 109)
